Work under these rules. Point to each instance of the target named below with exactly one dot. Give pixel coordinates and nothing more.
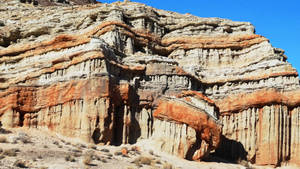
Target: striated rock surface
(58, 2)
(178, 116)
(122, 72)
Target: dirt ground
(36, 149)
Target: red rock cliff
(123, 72)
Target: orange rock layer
(258, 98)
(179, 112)
(167, 44)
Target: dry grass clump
(70, 158)
(146, 160)
(3, 139)
(167, 166)
(1, 157)
(20, 163)
(79, 145)
(91, 146)
(43, 167)
(105, 150)
(118, 153)
(87, 159)
(23, 137)
(142, 160)
(56, 143)
(11, 152)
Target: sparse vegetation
(55, 143)
(104, 160)
(143, 160)
(70, 158)
(167, 166)
(91, 146)
(79, 145)
(43, 167)
(25, 140)
(23, 137)
(77, 154)
(118, 153)
(105, 150)
(11, 152)
(87, 159)
(158, 161)
(1, 157)
(20, 163)
(76, 151)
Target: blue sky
(277, 20)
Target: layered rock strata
(117, 73)
(178, 116)
(58, 2)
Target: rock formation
(118, 73)
(58, 2)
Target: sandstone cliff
(122, 72)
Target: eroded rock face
(58, 2)
(189, 122)
(118, 73)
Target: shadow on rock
(229, 151)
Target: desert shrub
(167, 166)
(142, 160)
(20, 164)
(79, 145)
(158, 161)
(87, 159)
(23, 137)
(91, 146)
(105, 150)
(43, 167)
(1, 157)
(70, 158)
(145, 160)
(118, 153)
(104, 160)
(55, 143)
(11, 152)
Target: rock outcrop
(122, 72)
(58, 2)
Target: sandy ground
(31, 148)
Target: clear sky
(277, 20)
